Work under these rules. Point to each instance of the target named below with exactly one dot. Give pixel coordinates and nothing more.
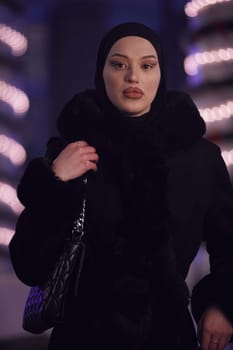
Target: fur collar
(178, 125)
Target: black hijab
(116, 33)
(137, 162)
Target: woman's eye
(118, 65)
(148, 66)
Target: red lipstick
(132, 92)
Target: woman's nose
(132, 75)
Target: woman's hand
(214, 330)
(75, 160)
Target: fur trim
(179, 124)
(40, 190)
(215, 289)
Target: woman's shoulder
(208, 154)
(78, 114)
(83, 100)
(181, 105)
(179, 96)
(184, 103)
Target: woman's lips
(133, 93)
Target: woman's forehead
(133, 45)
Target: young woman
(156, 190)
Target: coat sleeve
(216, 288)
(50, 208)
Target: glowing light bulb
(220, 112)
(192, 8)
(12, 150)
(228, 157)
(8, 196)
(14, 39)
(5, 235)
(194, 61)
(15, 97)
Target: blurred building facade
(208, 45)
(23, 87)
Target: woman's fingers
(214, 329)
(88, 165)
(75, 160)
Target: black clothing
(160, 190)
(139, 245)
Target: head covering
(116, 33)
(173, 122)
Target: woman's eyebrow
(150, 56)
(119, 55)
(125, 56)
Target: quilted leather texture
(45, 304)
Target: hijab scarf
(138, 161)
(118, 32)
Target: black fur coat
(161, 189)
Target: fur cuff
(41, 190)
(213, 290)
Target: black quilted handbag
(45, 304)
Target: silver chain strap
(78, 227)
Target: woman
(156, 189)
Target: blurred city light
(192, 8)
(14, 39)
(8, 197)
(15, 97)
(12, 150)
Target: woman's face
(131, 75)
